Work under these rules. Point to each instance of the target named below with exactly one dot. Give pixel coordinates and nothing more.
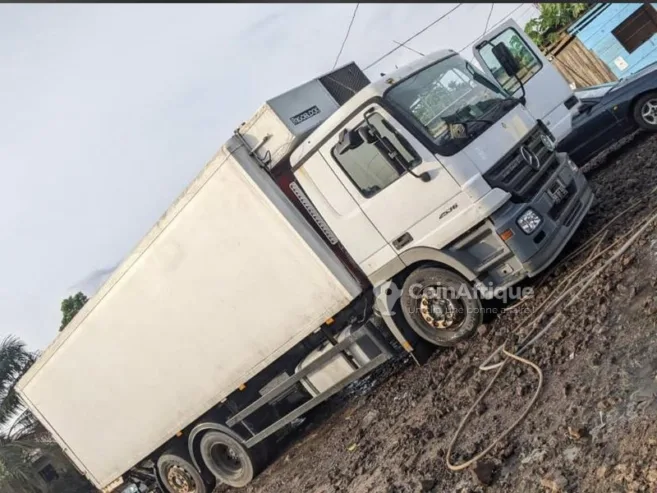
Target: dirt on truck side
(593, 427)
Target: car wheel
(645, 111)
(440, 306)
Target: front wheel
(440, 306)
(645, 111)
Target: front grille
(343, 83)
(512, 174)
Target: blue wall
(597, 37)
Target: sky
(107, 112)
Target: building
(622, 35)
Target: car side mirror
(348, 141)
(506, 59)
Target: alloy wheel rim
(649, 112)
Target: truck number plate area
(558, 191)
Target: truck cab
(437, 164)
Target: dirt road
(593, 428)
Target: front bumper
(560, 219)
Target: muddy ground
(593, 427)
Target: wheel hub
(232, 455)
(227, 458)
(439, 313)
(649, 111)
(180, 480)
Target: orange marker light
(506, 235)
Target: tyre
(645, 111)
(228, 459)
(440, 306)
(178, 475)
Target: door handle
(402, 241)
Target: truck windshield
(452, 102)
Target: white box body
(228, 280)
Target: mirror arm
(523, 98)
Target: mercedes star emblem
(530, 158)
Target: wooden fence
(578, 64)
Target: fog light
(529, 221)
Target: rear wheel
(178, 475)
(440, 306)
(228, 459)
(645, 111)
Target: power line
(497, 24)
(408, 48)
(490, 12)
(344, 41)
(412, 37)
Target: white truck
(340, 204)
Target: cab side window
(529, 63)
(371, 167)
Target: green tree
(71, 306)
(21, 435)
(545, 29)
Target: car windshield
(446, 94)
(595, 92)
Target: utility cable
(412, 37)
(496, 24)
(344, 41)
(490, 12)
(583, 284)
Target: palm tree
(21, 435)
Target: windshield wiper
(503, 101)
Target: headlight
(547, 142)
(572, 165)
(529, 221)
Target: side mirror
(506, 59)
(348, 140)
